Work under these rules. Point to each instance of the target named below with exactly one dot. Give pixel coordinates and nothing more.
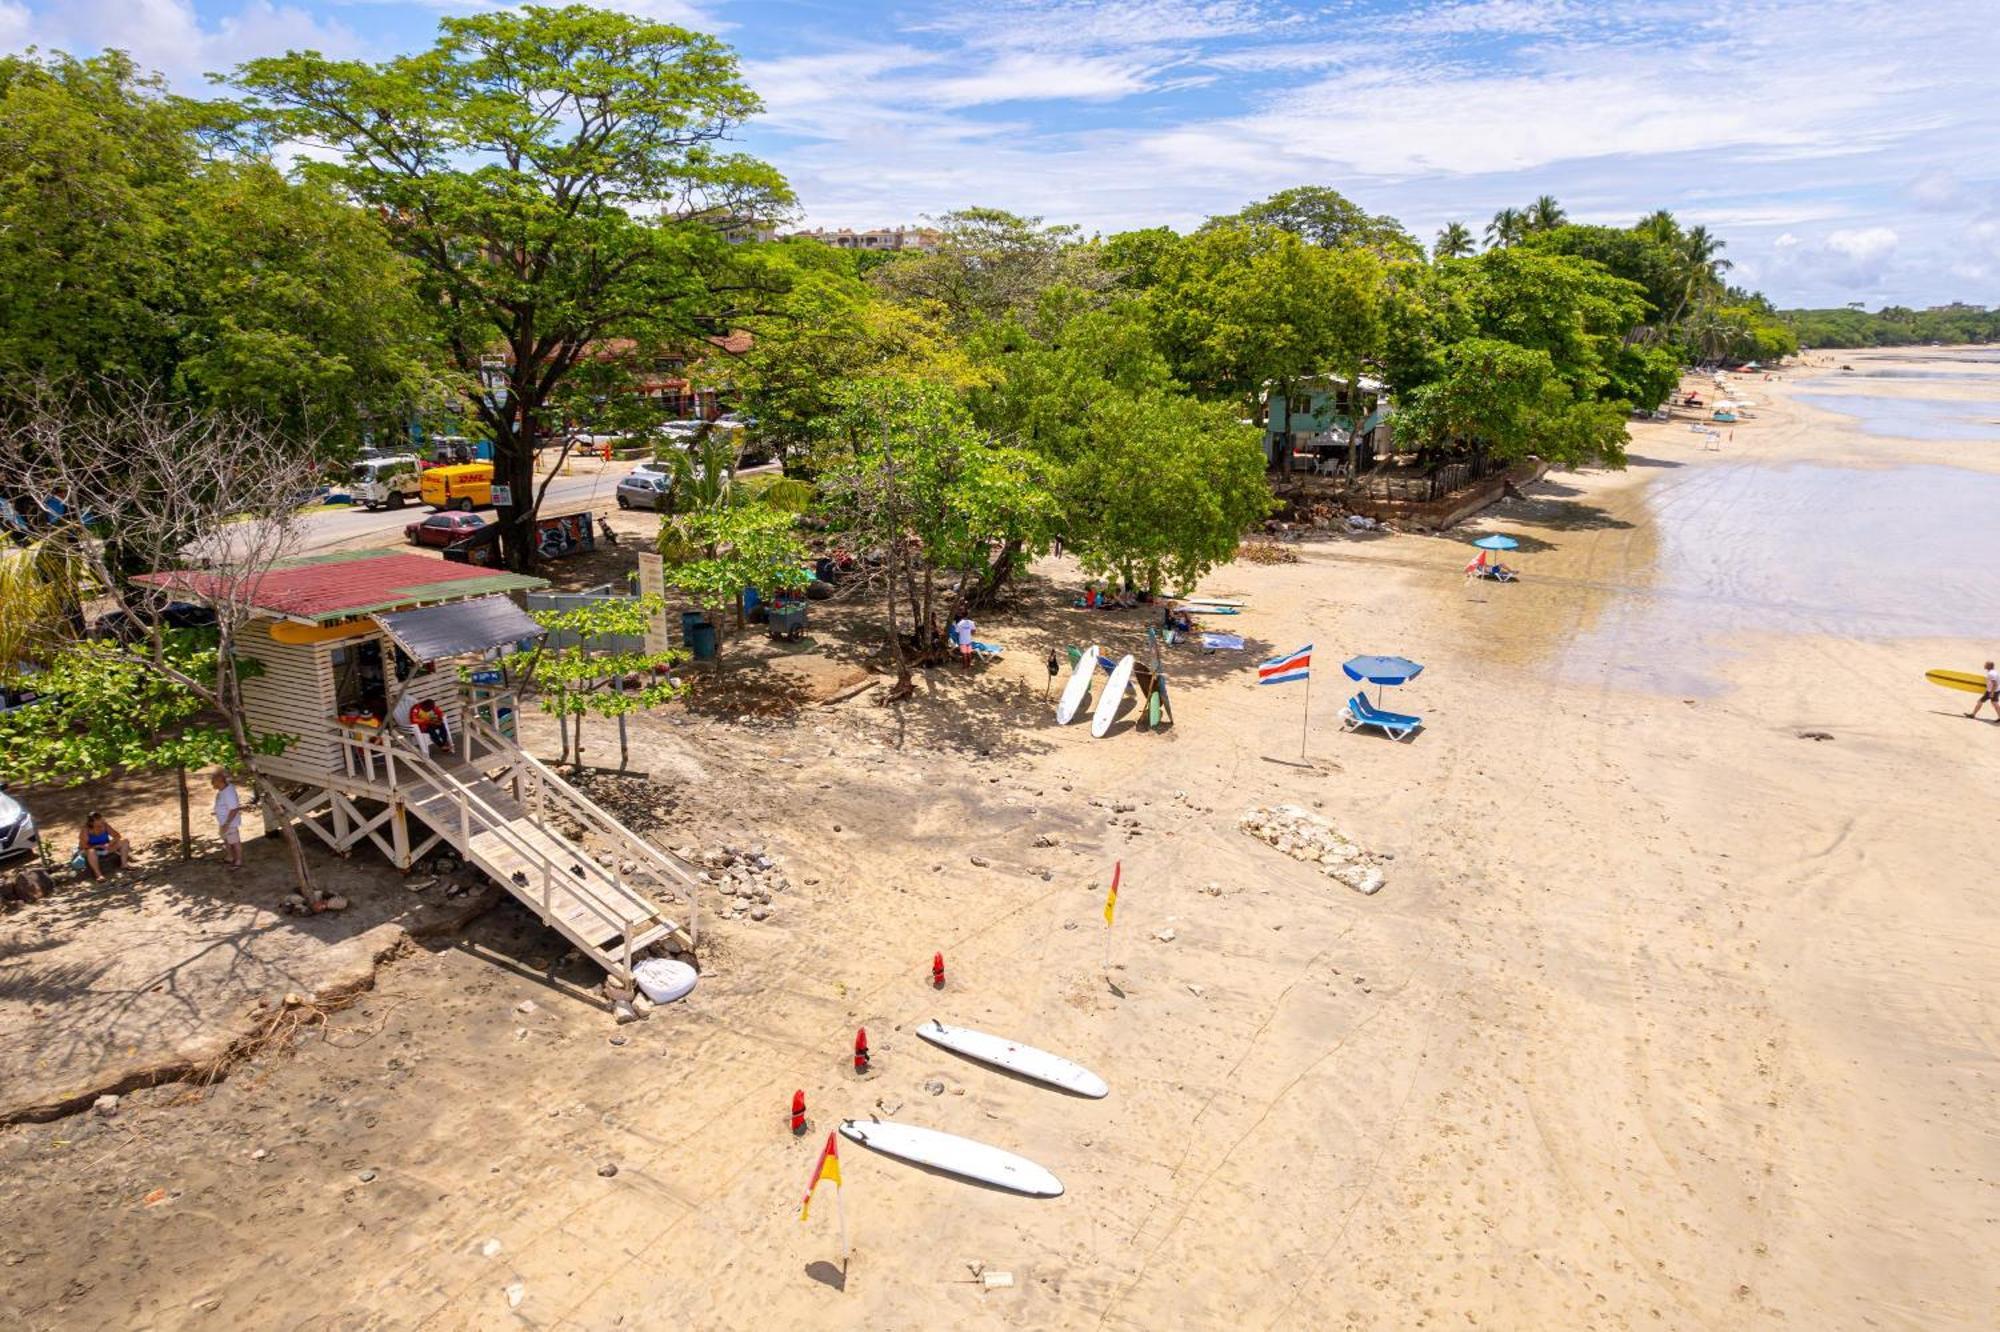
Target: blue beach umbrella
(1381, 671)
(1496, 542)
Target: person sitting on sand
(100, 847)
(1992, 694)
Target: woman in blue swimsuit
(98, 842)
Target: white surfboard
(953, 1155)
(1025, 1060)
(1078, 686)
(1114, 695)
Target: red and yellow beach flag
(1111, 898)
(828, 1170)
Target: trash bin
(701, 641)
(690, 621)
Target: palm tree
(1454, 241)
(1545, 214)
(1701, 268)
(1659, 225)
(1506, 228)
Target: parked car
(17, 828)
(441, 529)
(174, 615)
(644, 490)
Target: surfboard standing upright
(1078, 686)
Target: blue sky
(1847, 149)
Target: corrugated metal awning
(458, 627)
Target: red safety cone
(861, 1050)
(798, 1112)
(937, 971)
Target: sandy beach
(1669, 1015)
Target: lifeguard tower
(342, 640)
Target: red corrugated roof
(352, 584)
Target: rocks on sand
(1307, 838)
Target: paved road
(589, 487)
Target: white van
(387, 481)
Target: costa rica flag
(1284, 670)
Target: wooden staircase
(500, 812)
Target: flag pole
(1306, 718)
(840, 1210)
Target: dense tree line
(1894, 326)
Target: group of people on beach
(101, 850)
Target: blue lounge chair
(1396, 725)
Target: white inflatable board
(1114, 695)
(953, 1155)
(1078, 686)
(1015, 1058)
(663, 979)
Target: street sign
(503, 496)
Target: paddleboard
(1970, 682)
(1073, 693)
(1199, 599)
(1210, 610)
(1026, 1060)
(1153, 710)
(1114, 695)
(953, 1155)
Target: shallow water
(1902, 552)
(1917, 418)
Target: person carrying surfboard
(1992, 694)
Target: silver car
(17, 829)
(644, 490)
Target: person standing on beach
(228, 818)
(1992, 694)
(961, 634)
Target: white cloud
(1785, 241)
(171, 37)
(1862, 244)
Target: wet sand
(1668, 1017)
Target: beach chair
(987, 652)
(1396, 725)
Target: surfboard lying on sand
(953, 1155)
(1113, 697)
(1025, 1060)
(1080, 672)
(1969, 681)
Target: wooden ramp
(591, 905)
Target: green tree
(828, 325)
(1544, 214)
(1507, 228)
(1454, 241)
(584, 678)
(1166, 490)
(103, 709)
(1240, 308)
(131, 251)
(1327, 218)
(1511, 401)
(555, 175)
(990, 267)
(712, 554)
(905, 459)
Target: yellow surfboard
(1969, 681)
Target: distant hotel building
(923, 239)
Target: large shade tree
(558, 176)
(135, 249)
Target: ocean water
(1899, 552)
(1918, 418)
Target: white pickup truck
(388, 481)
